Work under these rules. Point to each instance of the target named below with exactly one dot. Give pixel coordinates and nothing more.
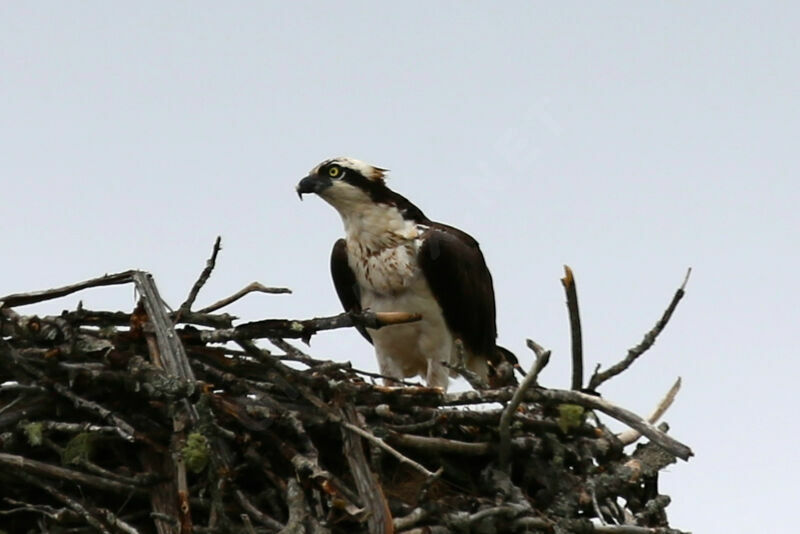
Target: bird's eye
(334, 171)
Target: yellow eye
(333, 172)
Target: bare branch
(575, 327)
(542, 356)
(649, 338)
(304, 329)
(582, 399)
(22, 299)
(201, 281)
(14, 462)
(388, 448)
(252, 287)
(449, 446)
(65, 499)
(630, 436)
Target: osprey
(393, 258)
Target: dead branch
(23, 299)
(302, 329)
(14, 462)
(542, 356)
(575, 327)
(630, 436)
(202, 279)
(252, 287)
(649, 338)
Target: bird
(394, 258)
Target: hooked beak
(313, 183)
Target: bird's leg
(438, 376)
(389, 368)
(438, 349)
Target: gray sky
(629, 140)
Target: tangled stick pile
(179, 422)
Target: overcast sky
(629, 140)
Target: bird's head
(353, 187)
(344, 183)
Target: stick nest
(153, 421)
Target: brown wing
(344, 280)
(456, 272)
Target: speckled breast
(387, 271)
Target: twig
(505, 420)
(562, 396)
(253, 287)
(575, 328)
(303, 329)
(290, 349)
(56, 514)
(542, 358)
(307, 465)
(596, 506)
(248, 525)
(76, 428)
(465, 522)
(22, 299)
(407, 521)
(112, 519)
(649, 338)
(620, 414)
(251, 509)
(630, 436)
(15, 463)
(65, 499)
(443, 445)
(12, 404)
(143, 480)
(125, 430)
(201, 281)
(388, 448)
(298, 508)
(337, 417)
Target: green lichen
(79, 449)
(570, 416)
(195, 452)
(34, 433)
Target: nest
(153, 421)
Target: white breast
(415, 348)
(382, 250)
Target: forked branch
(649, 338)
